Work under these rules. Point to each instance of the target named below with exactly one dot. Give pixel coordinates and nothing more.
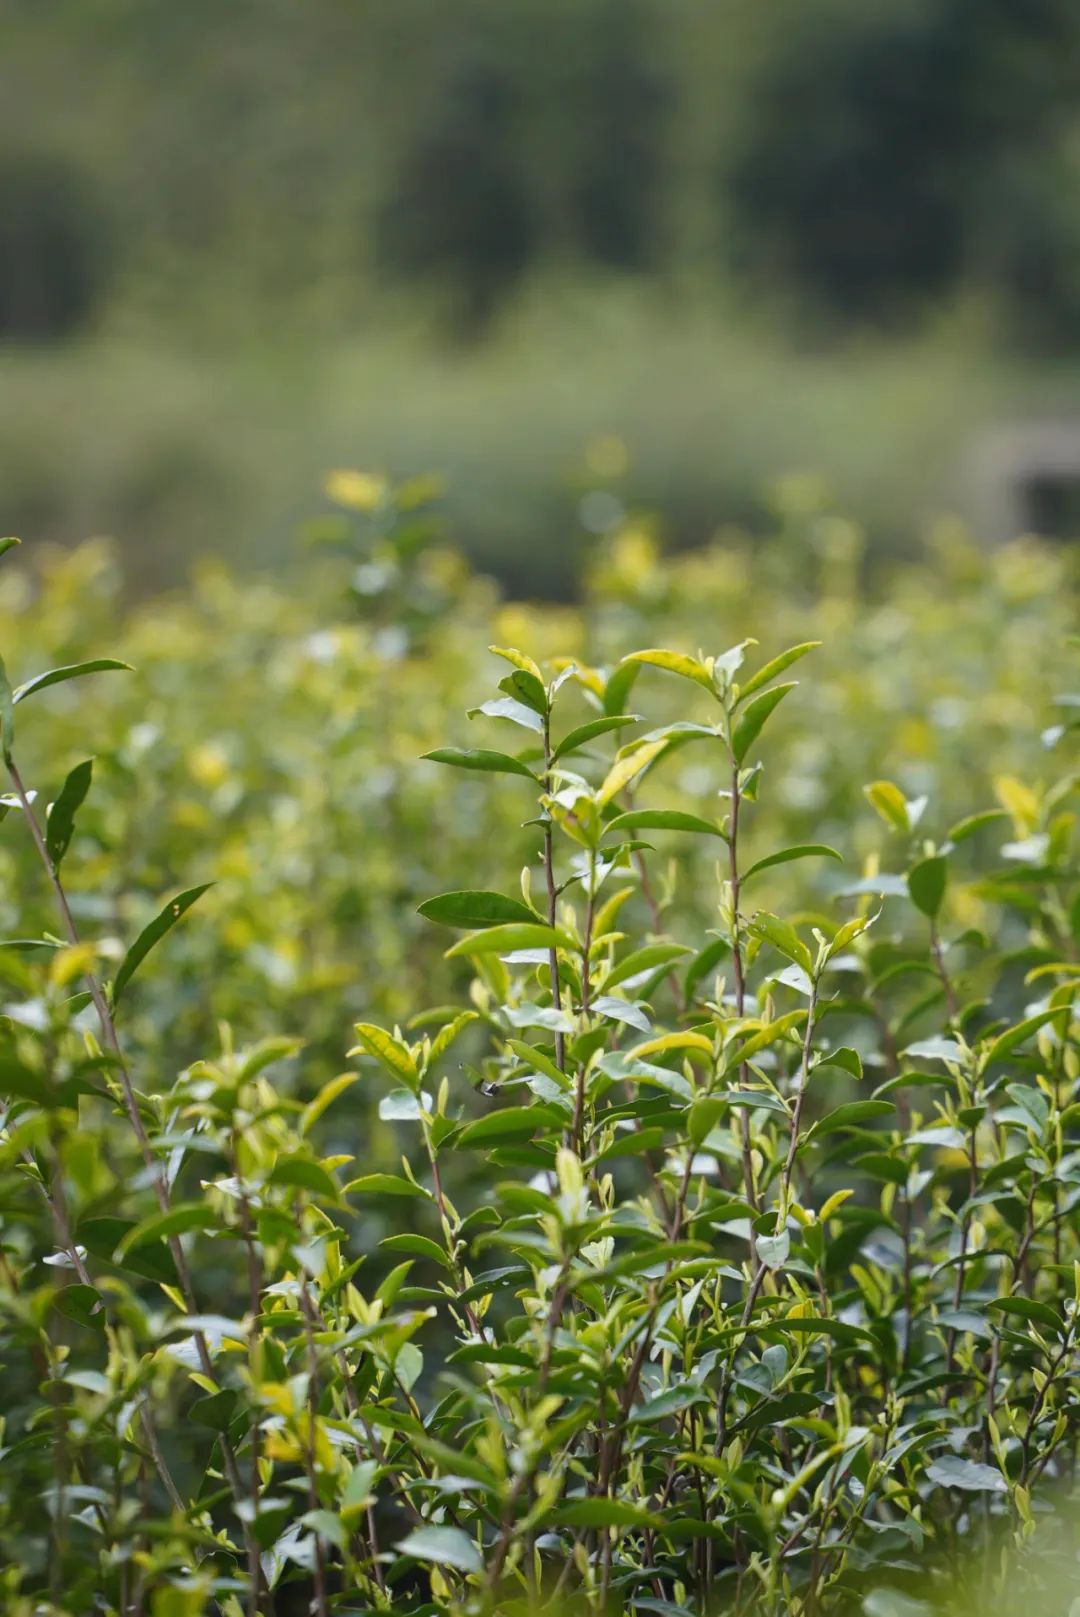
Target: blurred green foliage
(269, 741)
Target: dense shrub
(700, 1230)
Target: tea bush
(694, 1230)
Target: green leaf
(8, 544)
(627, 768)
(304, 1174)
(508, 707)
(805, 850)
(475, 908)
(445, 1546)
(160, 1226)
(770, 669)
(773, 1250)
(505, 939)
(513, 1123)
(926, 884)
(384, 1184)
(588, 732)
(1027, 1308)
(973, 822)
(446, 1036)
(618, 687)
(417, 1246)
(845, 1058)
(753, 719)
(494, 763)
(537, 1061)
(60, 825)
(1013, 1037)
(518, 659)
(153, 1261)
(392, 1053)
(951, 1471)
(526, 687)
(649, 958)
(890, 802)
(852, 1115)
(704, 962)
(782, 937)
(57, 676)
(82, 1304)
(675, 662)
(152, 934)
(326, 1097)
(662, 820)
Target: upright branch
(552, 893)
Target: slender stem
(735, 882)
(1028, 1470)
(255, 1284)
(552, 898)
(965, 1230)
(938, 954)
(800, 1098)
(321, 1605)
(578, 1124)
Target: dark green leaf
(584, 733)
(494, 763)
(770, 670)
(474, 908)
(61, 822)
(926, 884)
(753, 719)
(57, 676)
(152, 934)
(304, 1174)
(806, 850)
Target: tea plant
(737, 1263)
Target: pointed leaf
(508, 707)
(152, 934)
(805, 850)
(502, 939)
(754, 716)
(588, 732)
(770, 670)
(926, 884)
(394, 1055)
(60, 826)
(475, 908)
(494, 763)
(627, 768)
(57, 676)
(675, 662)
(444, 1546)
(890, 803)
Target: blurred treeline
(852, 160)
(263, 172)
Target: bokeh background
(243, 243)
